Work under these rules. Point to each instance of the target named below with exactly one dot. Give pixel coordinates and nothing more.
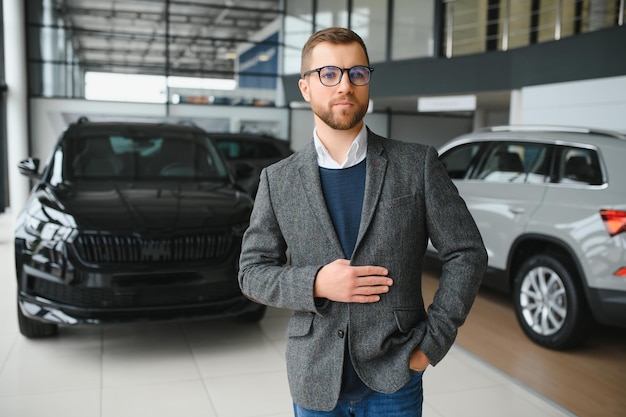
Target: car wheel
(253, 316)
(33, 328)
(549, 304)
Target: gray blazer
(408, 199)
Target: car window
(579, 166)
(515, 163)
(267, 150)
(143, 156)
(229, 149)
(235, 149)
(457, 161)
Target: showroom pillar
(17, 96)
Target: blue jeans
(406, 402)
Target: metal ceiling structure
(193, 38)
(184, 38)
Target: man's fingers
(370, 270)
(339, 281)
(371, 290)
(365, 299)
(374, 281)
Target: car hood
(175, 206)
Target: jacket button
(340, 333)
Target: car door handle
(517, 210)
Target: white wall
(16, 102)
(302, 125)
(428, 130)
(378, 123)
(598, 103)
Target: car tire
(253, 316)
(549, 303)
(35, 329)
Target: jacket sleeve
(265, 275)
(453, 232)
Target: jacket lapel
(376, 169)
(376, 165)
(312, 188)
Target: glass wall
(518, 20)
(195, 39)
(331, 13)
(297, 27)
(410, 36)
(53, 68)
(445, 27)
(413, 29)
(187, 45)
(559, 18)
(369, 20)
(469, 27)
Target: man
(354, 212)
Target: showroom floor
(202, 368)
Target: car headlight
(49, 224)
(45, 230)
(47, 247)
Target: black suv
(130, 221)
(249, 153)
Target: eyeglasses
(330, 75)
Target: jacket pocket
(396, 202)
(300, 325)
(408, 318)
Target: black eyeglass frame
(319, 74)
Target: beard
(344, 119)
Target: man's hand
(339, 281)
(419, 361)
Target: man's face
(343, 106)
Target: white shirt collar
(356, 153)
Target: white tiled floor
(201, 368)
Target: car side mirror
(29, 167)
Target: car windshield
(247, 149)
(141, 156)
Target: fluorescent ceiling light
(124, 87)
(145, 88)
(201, 83)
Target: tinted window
(579, 166)
(515, 163)
(144, 156)
(267, 150)
(234, 149)
(457, 161)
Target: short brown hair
(336, 35)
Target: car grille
(179, 292)
(99, 248)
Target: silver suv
(551, 206)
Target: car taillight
(614, 220)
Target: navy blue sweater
(344, 190)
